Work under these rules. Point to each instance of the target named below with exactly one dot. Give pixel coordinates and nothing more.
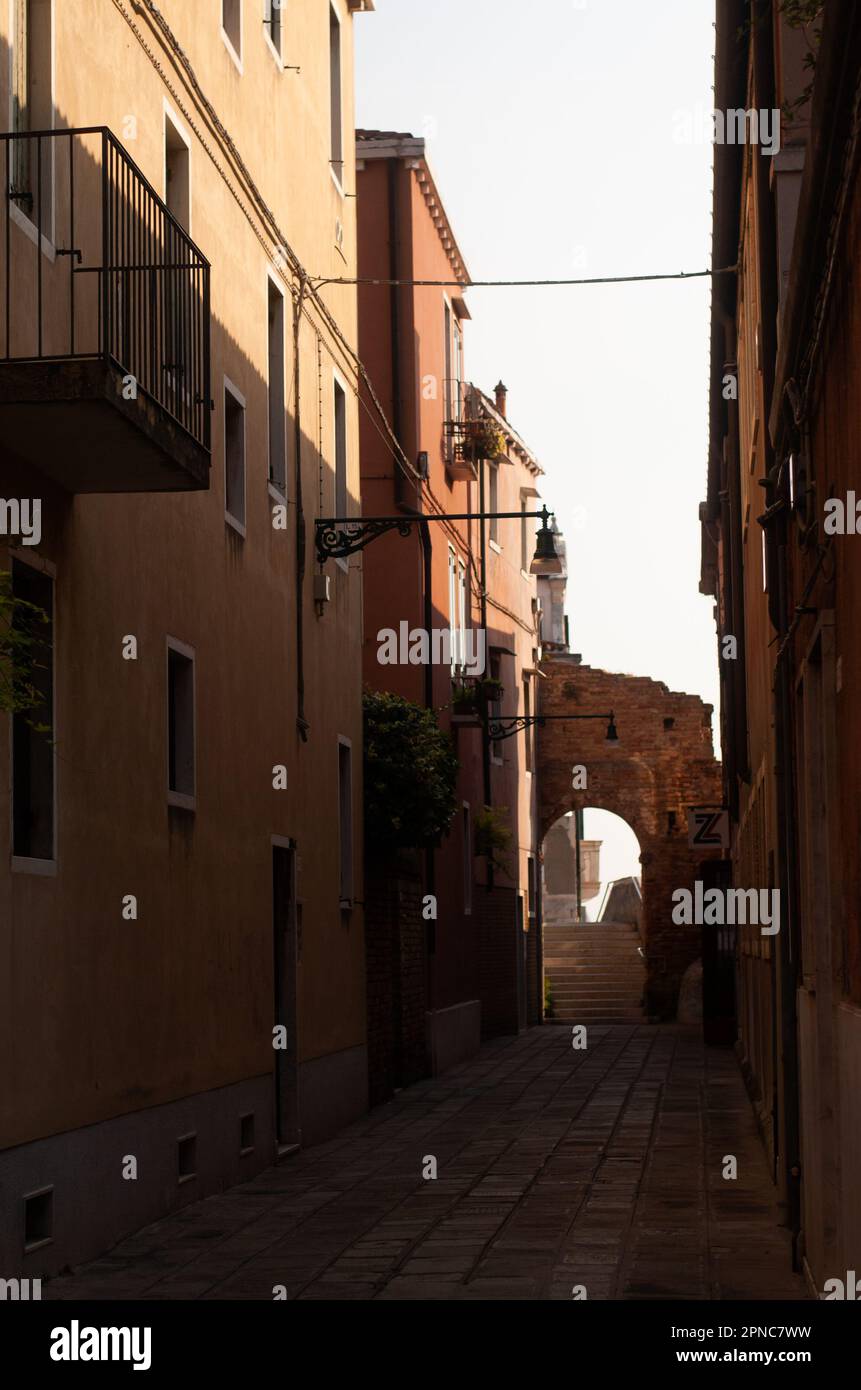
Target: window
(458, 609)
(177, 172)
(32, 109)
(447, 354)
(493, 499)
(494, 706)
(337, 138)
(273, 23)
(466, 825)
(462, 609)
(180, 725)
(345, 821)
(527, 710)
(33, 731)
(452, 609)
(458, 371)
(453, 359)
(277, 421)
(231, 28)
(524, 537)
(234, 456)
(340, 450)
(530, 887)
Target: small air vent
(186, 1157)
(38, 1219)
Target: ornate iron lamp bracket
(336, 539)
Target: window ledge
(237, 526)
(31, 230)
(43, 868)
(182, 801)
(276, 494)
(336, 181)
(279, 61)
(494, 545)
(231, 50)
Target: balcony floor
(68, 418)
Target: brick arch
(622, 785)
(662, 765)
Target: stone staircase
(596, 972)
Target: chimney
(501, 397)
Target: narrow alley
(558, 1170)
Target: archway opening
(591, 869)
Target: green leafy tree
(410, 774)
(22, 638)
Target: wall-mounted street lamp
(504, 725)
(336, 537)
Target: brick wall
(496, 912)
(662, 764)
(396, 988)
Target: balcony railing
(96, 269)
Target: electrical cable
(318, 281)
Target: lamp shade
(545, 560)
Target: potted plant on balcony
(464, 700)
(491, 689)
(492, 834)
(482, 439)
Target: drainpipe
(786, 1074)
(739, 689)
(301, 721)
(485, 741)
(789, 1185)
(423, 528)
(430, 858)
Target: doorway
(284, 935)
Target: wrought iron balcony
(105, 350)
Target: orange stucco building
(479, 962)
(181, 873)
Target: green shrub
(410, 774)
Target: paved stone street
(556, 1168)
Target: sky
(565, 140)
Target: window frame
(170, 118)
(22, 863)
(275, 489)
(239, 524)
(336, 107)
(466, 827)
(277, 52)
(493, 504)
(25, 224)
(339, 384)
(235, 54)
(346, 872)
(184, 801)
